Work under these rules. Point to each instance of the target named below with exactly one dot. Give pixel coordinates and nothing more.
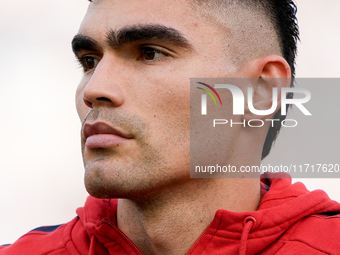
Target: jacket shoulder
(51, 240)
(315, 234)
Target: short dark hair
(282, 15)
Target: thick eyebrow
(82, 42)
(154, 32)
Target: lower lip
(104, 141)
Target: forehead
(105, 15)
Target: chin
(103, 187)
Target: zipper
(132, 245)
(135, 248)
(198, 241)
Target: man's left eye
(149, 54)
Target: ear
(268, 72)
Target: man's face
(133, 99)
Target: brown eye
(149, 53)
(89, 63)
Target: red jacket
(290, 220)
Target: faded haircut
(279, 23)
(279, 32)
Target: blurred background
(41, 171)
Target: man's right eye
(88, 63)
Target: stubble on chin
(120, 172)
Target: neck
(171, 222)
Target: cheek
(82, 109)
(172, 86)
(173, 116)
(173, 101)
(162, 90)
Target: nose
(104, 87)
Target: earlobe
(273, 73)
